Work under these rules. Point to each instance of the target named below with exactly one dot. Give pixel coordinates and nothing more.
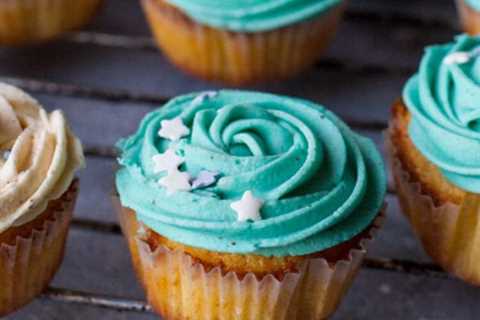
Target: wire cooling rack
(411, 20)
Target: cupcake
(469, 11)
(434, 143)
(245, 205)
(239, 43)
(33, 21)
(38, 159)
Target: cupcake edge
(29, 22)
(181, 287)
(28, 265)
(469, 17)
(447, 229)
(239, 58)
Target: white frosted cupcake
(39, 156)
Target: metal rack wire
(65, 295)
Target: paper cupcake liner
(31, 21)
(179, 287)
(27, 266)
(239, 57)
(469, 17)
(449, 233)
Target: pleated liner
(449, 233)
(31, 21)
(239, 57)
(180, 288)
(27, 267)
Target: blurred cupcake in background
(241, 42)
(39, 156)
(434, 143)
(469, 11)
(244, 205)
(24, 22)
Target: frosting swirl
(320, 183)
(252, 15)
(38, 157)
(443, 99)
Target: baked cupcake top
(247, 172)
(252, 15)
(38, 157)
(474, 3)
(444, 100)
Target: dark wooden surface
(109, 75)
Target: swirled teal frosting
(252, 15)
(444, 100)
(474, 3)
(320, 182)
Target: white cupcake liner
(27, 266)
(240, 57)
(449, 233)
(180, 287)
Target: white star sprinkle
(166, 161)
(173, 129)
(176, 181)
(247, 208)
(461, 57)
(202, 97)
(204, 179)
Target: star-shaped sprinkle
(176, 181)
(166, 161)
(173, 129)
(202, 97)
(248, 207)
(204, 179)
(461, 57)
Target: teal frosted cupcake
(434, 140)
(241, 42)
(247, 204)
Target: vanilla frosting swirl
(252, 15)
(444, 100)
(320, 183)
(38, 157)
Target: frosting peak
(252, 15)
(444, 99)
(38, 157)
(291, 178)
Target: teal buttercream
(252, 15)
(320, 182)
(474, 3)
(444, 100)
